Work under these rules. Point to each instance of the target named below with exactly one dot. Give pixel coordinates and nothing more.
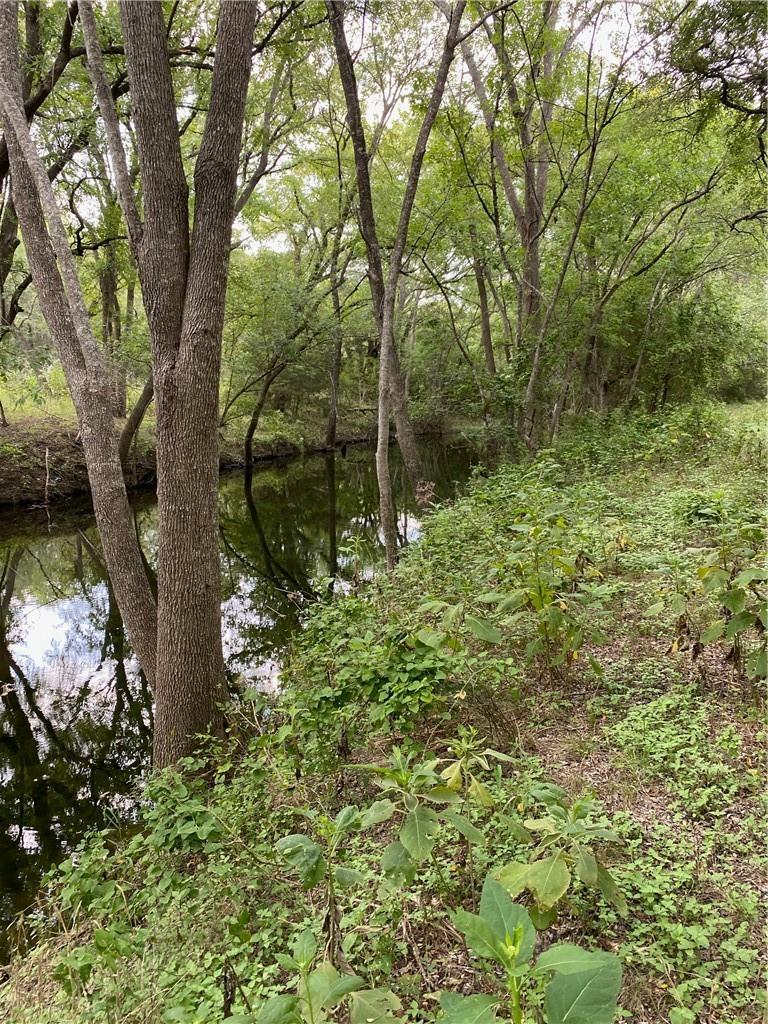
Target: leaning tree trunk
(61, 300)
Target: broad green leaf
(734, 600)
(749, 576)
(586, 866)
(610, 890)
(398, 863)
(513, 876)
(713, 632)
(543, 919)
(739, 623)
(430, 638)
(757, 664)
(452, 775)
(305, 948)
(483, 629)
(518, 830)
(467, 1009)
(347, 877)
(477, 791)
(587, 997)
(507, 919)
(548, 880)
(654, 610)
(347, 819)
(304, 855)
(381, 810)
(418, 832)
(480, 936)
(442, 795)
(466, 828)
(278, 1010)
(373, 1006)
(568, 958)
(325, 987)
(431, 606)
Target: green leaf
(381, 810)
(586, 997)
(466, 828)
(397, 862)
(514, 877)
(483, 629)
(467, 1009)
(373, 1006)
(418, 832)
(734, 600)
(325, 987)
(654, 610)
(757, 664)
(507, 919)
(480, 936)
(430, 638)
(431, 606)
(713, 632)
(304, 855)
(586, 866)
(347, 819)
(568, 958)
(749, 576)
(477, 791)
(305, 948)
(548, 880)
(278, 1010)
(347, 877)
(442, 795)
(490, 597)
(739, 623)
(543, 919)
(610, 890)
(518, 830)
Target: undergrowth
(518, 773)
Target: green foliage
(570, 983)
(565, 851)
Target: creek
(76, 712)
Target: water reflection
(76, 718)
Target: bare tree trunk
(335, 368)
(135, 419)
(253, 423)
(184, 286)
(398, 401)
(64, 310)
(485, 317)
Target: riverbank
(42, 462)
(591, 616)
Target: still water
(76, 713)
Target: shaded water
(76, 713)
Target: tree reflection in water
(76, 718)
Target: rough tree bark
(384, 292)
(183, 283)
(61, 301)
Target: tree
(183, 281)
(384, 289)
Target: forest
(383, 587)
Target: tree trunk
(485, 318)
(134, 420)
(64, 310)
(253, 423)
(184, 287)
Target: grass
(198, 905)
